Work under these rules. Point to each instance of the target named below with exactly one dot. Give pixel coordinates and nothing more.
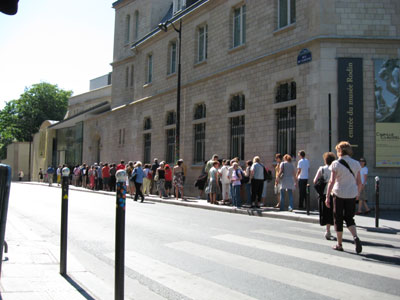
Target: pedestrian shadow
(388, 260)
(385, 230)
(371, 244)
(77, 287)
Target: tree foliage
(21, 118)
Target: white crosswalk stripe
(364, 235)
(322, 241)
(185, 283)
(314, 256)
(299, 279)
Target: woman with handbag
(344, 185)
(287, 175)
(277, 186)
(159, 178)
(321, 178)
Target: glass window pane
(283, 11)
(292, 11)
(236, 28)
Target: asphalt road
(175, 252)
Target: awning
(83, 116)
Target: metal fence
(389, 192)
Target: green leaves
(21, 118)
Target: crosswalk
(312, 283)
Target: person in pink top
(168, 179)
(106, 176)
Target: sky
(66, 43)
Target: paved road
(175, 252)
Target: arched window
(127, 28)
(147, 123)
(171, 118)
(136, 25)
(237, 103)
(199, 111)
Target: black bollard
(376, 201)
(308, 199)
(64, 220)
(120, 235)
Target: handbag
(319, 186)
(283, 170)
(208, 189)
(156, 177)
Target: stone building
(256, 79)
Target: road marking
(314, 256)
(185, 283)
(324, 242)
(364, 235)
(305, 281)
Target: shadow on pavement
(78, 288)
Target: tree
(21, 118)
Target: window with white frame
(179, 5)
(202, 52)
(172, 57)
(127, 28)
(149, 66)
(286, 12)
(136, 25)
(239, 26)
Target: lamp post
(163, 27)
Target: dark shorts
(168, 185)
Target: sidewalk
(31, 269)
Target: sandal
(337, 248)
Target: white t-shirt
(304, 165)
(363, 172)
(224, 174)
(345, 184)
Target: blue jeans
(283, 199)
(248, 193)
(236, 195)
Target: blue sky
(61, 42)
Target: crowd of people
(226, 182)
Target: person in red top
(121, 166)
(106, 176)
(168, 179)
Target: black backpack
(319, 186)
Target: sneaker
(357, 242)
(290, 209)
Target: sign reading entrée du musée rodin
(350, 103)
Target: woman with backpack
(320, 182)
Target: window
(202, 43)
(121, 140)
(171, 118)
(179, 5)
(170, 157)
(147, 124)
(136, 25)
(149, 76)
(127, 28)
(239, 26)
(147, 147)
(172, 58)
(199, 111)
(126, 77)
(286, 12)
(132, 81)
(199, 143)
(286, 131)
(237, 103)
(286, 91)
(237, 137)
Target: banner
(350, 104)
(387, 112)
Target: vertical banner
(350, 103)
(387, 112)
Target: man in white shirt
(303, 167)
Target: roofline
(176, 17)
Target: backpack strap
(344, 163)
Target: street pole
(178, 95)
(330, 122)
(377, 201)
(64, 221)
(120, 235)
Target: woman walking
(277, 186)
(178, 179)
(362, 199)
(344, 185)
(325, 213)
(286, 177)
